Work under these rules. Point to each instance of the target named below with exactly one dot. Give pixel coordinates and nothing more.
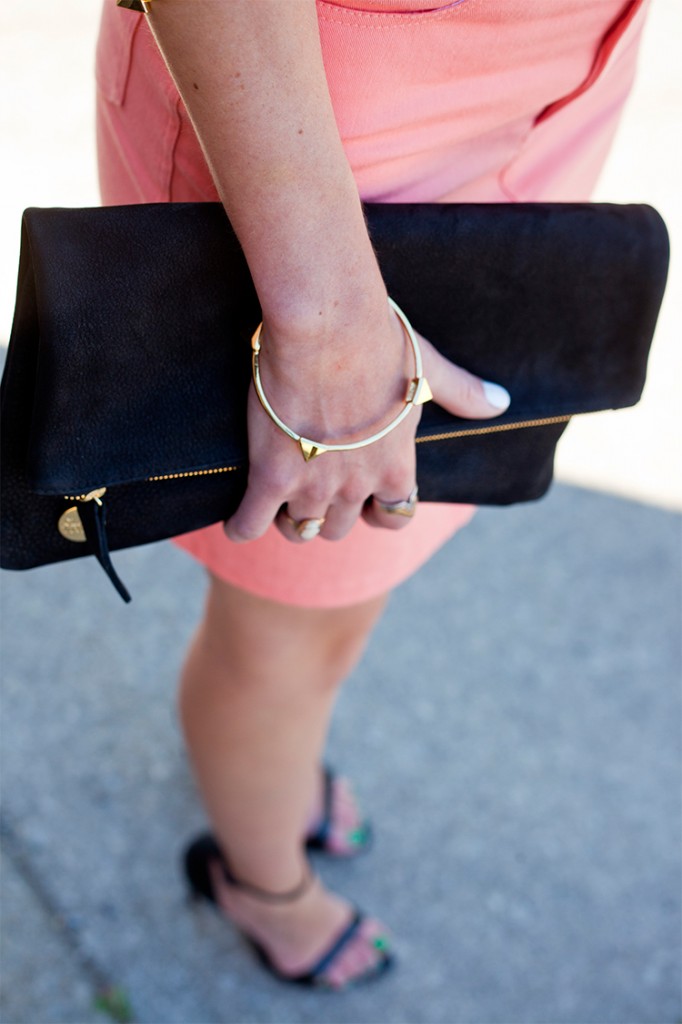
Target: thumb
(460, 392)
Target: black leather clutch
(124, 391)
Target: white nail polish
(496, 395)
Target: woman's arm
(251, 75)
(334, 359)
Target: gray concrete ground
(514, 730)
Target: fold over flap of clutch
(146, 313)
(557, 302)
(157, 306)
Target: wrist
(342, 396)
(314, 267)
(340, 320)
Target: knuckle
(471, 394)
(271, 480)
(396, 479)
(466, 387)
(354, 492)
(316, 493)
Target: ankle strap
(264, 894)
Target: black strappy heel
(319, 840)
(197, 859)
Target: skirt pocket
(114, 51)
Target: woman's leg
(257, 693)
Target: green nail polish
(356, 837)
(381, 943)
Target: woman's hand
(339, 390)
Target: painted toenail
(356, 837)
(381, 943)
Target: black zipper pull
(87, 523)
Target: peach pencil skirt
(436, 101)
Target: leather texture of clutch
(124, 393)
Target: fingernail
(496, 395)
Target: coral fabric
(436, 101)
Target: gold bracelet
(418, 392)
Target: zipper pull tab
(88, 523)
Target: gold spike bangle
(418, 392)
(142, 6)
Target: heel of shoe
(195, 862)
(204, 851)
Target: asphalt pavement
(514, 732)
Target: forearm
(335, 358)
(252, 79)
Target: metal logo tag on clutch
(70, 525)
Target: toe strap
(358, 840)
(346, 936)
(384, 956)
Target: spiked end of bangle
(310, 449)
(418, 391)
(142, 6)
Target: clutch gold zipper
(95, 495)
(446, 436)
(192, 472)
(495, 429)
(70, 524)
(71, 527)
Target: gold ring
(406, 508)
(307, 529)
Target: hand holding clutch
(326, 392)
